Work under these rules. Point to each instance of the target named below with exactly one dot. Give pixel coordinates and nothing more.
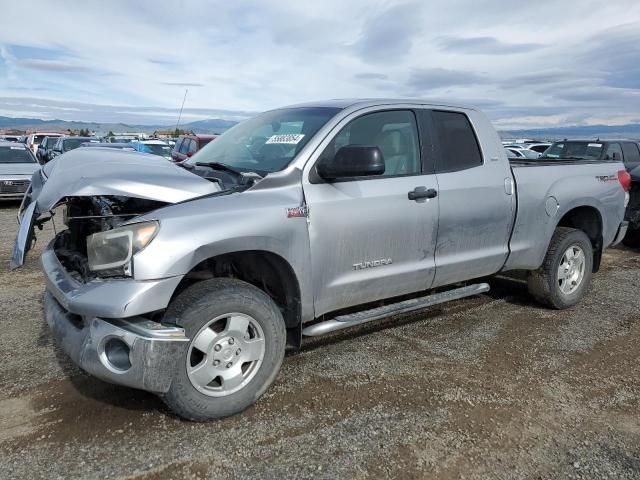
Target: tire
(545, 284)
(189, 396)
(632, 238)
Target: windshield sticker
(290, 138)
(596, 145)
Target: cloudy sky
(527, 63)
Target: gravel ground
(488, 387)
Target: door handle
(419, 193)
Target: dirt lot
(491, 387)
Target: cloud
(371, 76)
(51, 65)
(427, 79)
(541, 63)
(181, 84)
(614, 56)
(388, 36)
(90, 112)
(484, 46)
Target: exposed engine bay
(84, 216)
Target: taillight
(625, 180)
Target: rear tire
(565, 274)
(632, 238)
(237, 343)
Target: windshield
(571, 150)
(266, 143)
(37, 139)
(530, 154)
(15, 155)
(72, 143)
(162, 150)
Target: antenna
(186, 90)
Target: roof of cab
(372, 102)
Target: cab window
(394, 132)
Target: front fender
(195, 231)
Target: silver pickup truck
(191, 281)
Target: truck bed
(547, 190)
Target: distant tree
(178, 132)
(111, 134)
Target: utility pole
(180, 114)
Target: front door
(368, 240)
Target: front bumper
(622, 231)
(136, 352)
(98, 324)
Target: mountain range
(213, 125)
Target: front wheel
(565, 274)
(237, 343)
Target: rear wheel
(632, 238)
(565, 274)
(237, 343)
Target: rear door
(368, 239)
(476, 199)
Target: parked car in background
(33, 140)
(10, 138)
(154, 147)
(116, 146)
(521, 153)
(45, 149)
(188, 145)
(66, 144)
(625, 151)
(17, 165)
(191, 282)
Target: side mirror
(352, 161)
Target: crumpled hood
(18, 168)
(89, 172)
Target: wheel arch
(588, 219)
(264, 269)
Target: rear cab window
(611, 149)
(204, 141)
(631, 153)
(456, 142)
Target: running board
(351, 319)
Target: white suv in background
(34, 139)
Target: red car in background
(187, 145)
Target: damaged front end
(100, 315)
(85, 217)
(100, 191)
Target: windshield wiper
(220, 166)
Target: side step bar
(351, 319)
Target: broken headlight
(112, 250)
